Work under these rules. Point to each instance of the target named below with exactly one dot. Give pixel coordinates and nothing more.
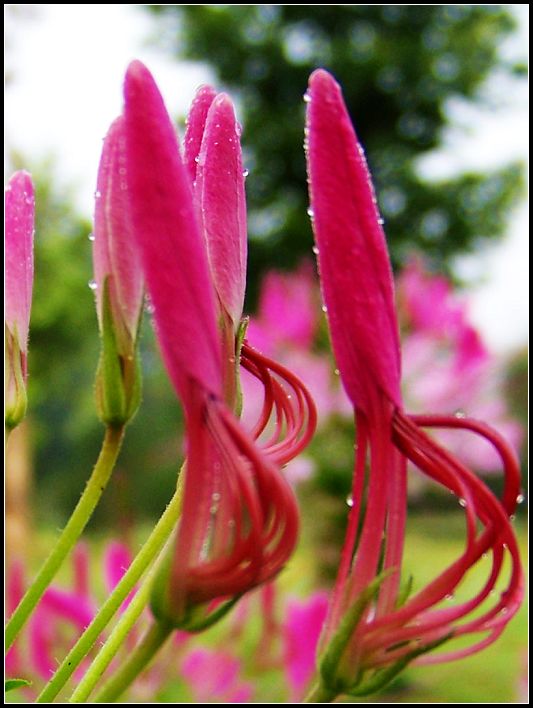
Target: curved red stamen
(415, 621)
(250, 527)
(286, 400)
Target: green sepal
(118, 376)
(239, 341)
(15, 409)
(193, 618)
(328, 663)
(383, 677)
(12, 683)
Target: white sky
(67, 89)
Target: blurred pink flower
(214, 677)
(447, 367)
(301, 630)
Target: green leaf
(12, 683)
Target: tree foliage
(398, 66)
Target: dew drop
(97, 194)
(459, 413)
(462, 502)
(520, 499)
(310, 212)
(485, 556)
(450, 597)
(324, 308)
(381, 221)
(93, 284)
(349, 500)
(289, 396)
(512, 518)
(336, 372)
(245, 172)
(91, 236)
(215, 496)
(307, 97)
(504, 610)
(315, 250)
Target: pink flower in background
(213, 676)
(19, 230)
(446, 366)
(62, 614)
(288, 312)
(370, 628)
(301, 630)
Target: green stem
(114, 641)
(146, 555)
(320, 694)
(72, 531)
(150, 644)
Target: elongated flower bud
(118, 284)
(19, 223)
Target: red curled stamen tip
(288, 412)
(489, 531)
(251, 526)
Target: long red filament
(388, 633)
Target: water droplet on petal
(245, 172)
(307, 97)
(349, 500)
(520, 499)
(336, 372)
(315, 250)
(462, 502)
(324, 308)
(91, 236)
(459, 413)
(450, 597)
(310, 212)
(97, 194)
(93, 284)
(197, 158)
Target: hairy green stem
(71, 533)
(114, 641)
(144, 558)
(144, 652)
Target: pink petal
(19, 225)
(301, 630)
(172, 249)
(195, 127)
(115, 255)
(222, 201)
(353, 261)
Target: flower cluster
(170, 220)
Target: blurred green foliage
(398, 67)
